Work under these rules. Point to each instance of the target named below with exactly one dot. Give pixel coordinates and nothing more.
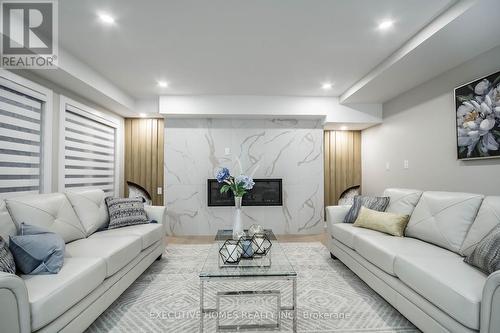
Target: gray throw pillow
(37, 251)
(375, 203)
(7, 263)
(125, 212)
(486, 255)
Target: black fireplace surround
(266, 192)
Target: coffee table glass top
(280, 265)
(225, 234)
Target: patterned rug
(330, 297)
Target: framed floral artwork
(477, 106)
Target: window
(24, 147)
(89, 149)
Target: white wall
(290, 149)
(326, 108)
(57, 92)
(419, 126)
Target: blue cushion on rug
(37, 251)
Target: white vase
(237, 224)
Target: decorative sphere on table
(255, 229)
(239, 234)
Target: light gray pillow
(37, 251)
(486, 255)
(375, 203)
(7, 263)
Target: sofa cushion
(486, 220)
(444, 218)
(125, 212)
(52, 295)
(90, 207)
(7, 226)
(149, 233)
(345, 233)
(389, 223)
(486, 255)
(116, 251)
(37, 251)
(403, 201)
(445, 280)
(375, 203)
(381, 249)
(7, 263)
(50, 211)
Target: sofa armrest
(490, 304)
(157, 213)
(15, 308)
(335, 214)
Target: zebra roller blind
(20, 143)
(89, 153)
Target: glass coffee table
(280, 269)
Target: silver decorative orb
(238, 235)
(255, 229)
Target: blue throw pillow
(37, 251)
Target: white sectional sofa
(98, 265)
(423, 275)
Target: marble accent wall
(289, 149)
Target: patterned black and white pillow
(7, 263)
(125, 212)
(486, 255)
(374, 203)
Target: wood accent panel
(144, 155)
(342, 163)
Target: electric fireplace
(266, 192)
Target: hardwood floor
(282, 238)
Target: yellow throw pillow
(390, 223)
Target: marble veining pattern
(290, 149)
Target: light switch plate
(406, 164)
(159, 191)
(227, 151)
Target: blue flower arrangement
(239, 184)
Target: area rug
(330, 297)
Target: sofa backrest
(403, 201)
(50, 211)
(486, 220)
(444, 218)
(7, 226)
(90, 208)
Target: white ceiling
(465, 31)
(239, 47)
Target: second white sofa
(423, 275)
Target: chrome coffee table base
(246, 293)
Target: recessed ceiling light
(162, 84)
(384, 25)
(343, 128)
(106, 18)
(326, 86)
(142, 115)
